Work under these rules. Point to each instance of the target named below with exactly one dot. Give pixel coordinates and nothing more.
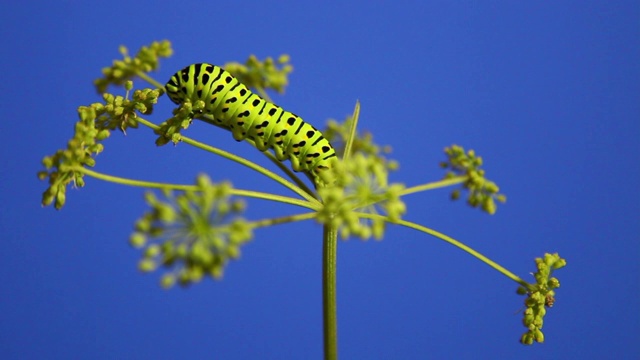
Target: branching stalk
(165, 186)
(457, 244)
(282, 220)
(241, 161)
(329, 259)
(149, 79)
(434, 185)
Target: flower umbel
(361, 201)
(146, 60)
(193, 234)
(61, 167)
(95, 124)
(120, 113)
(540, 296)
(182, 117)
(483, 193)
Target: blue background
(547, 92)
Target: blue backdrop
(547, 92)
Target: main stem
(329, 256)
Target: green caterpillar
(247, 115)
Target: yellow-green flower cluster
(119, 112)
(361, 201)
(540, 297)
(61, 167)
(193, 234)
(182, 117)
(483, 193)
(262, 75)
(146, 60)
(96, 121)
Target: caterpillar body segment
(235, 108)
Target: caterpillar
(235, 108)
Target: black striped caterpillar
(235, 108)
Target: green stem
(329, 256)
(132, 182)
(209, 120)
(149, 79)
(434, 185)
(282, 220)
(285, 169)
(239, 160)
(469, 250)
(164, 186)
